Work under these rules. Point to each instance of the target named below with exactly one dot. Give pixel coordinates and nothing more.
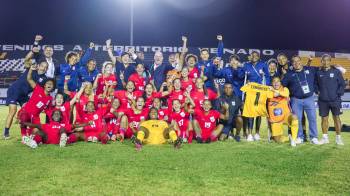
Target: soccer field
(221, 168)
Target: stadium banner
(12, 57)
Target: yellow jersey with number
(256, 96)
(156, 131)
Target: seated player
(38, 102)
(280, 113)
(163, 112)
(201, 93)
(112, 119)
(54, 132)
(106, 78)
(205, 122)
(130, 122)
(180, 120)
(126, 96)
(138, 78)
(150, 94)
(154, 131)
(94, 132)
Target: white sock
(337, 136)
(325, 136)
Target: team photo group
(175, 100)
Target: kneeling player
(205, 122)
(154, 131)
(280, 113)
(54, 132)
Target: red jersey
(137, 118)
(96, 117)
(193, 74)
(52, 131)
(176, 95)
(38, 101)
(163, 114)
(149, 100)
(207, 122)
(112, 123)
(139, 81)
(181, 118)
(187, 85)
(124, 101)
(198, 97)
(65, 110)
(80, 105)
(101, 83)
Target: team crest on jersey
(40, 79)
(307, 71)
(142, 118)
(95, 116)
(195, 75)
(161, 113)
(182, 114)
(277, 112)
(212, 119)
(63, 109)
(181, 97)
(233, 103)
(331, 75)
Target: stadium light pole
(131, 22)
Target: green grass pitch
(221, 168)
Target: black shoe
(199, 140)
(208, 141)
(178, 143)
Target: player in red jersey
(126, 96)
(176, 93)
(133, 117)
(138, 78)
(54, 132)
(205, 122)
(150, 93)
(180, 119)
(38, 102)
(191, 61)
(200, 93)
(94, 131)
(187, 84)
(112, 119)
(163, 113)
(63, 106)
(106, 78)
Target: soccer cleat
(6, 137)
(256, 137)
(199, 140)
(104, 139)
(184, 140)
(299, 141)
(237, 138)
(132, 139)
(89, 139)
(208, 141)
(138, 145)
(94, 139)
(29, 142)
(230, 137)
(338, 140)
(178, 143)
(315, 141)
(292, 143)
(324, 140)
(63, 140)
(250, 138)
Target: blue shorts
(15, 97)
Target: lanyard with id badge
(304, 84)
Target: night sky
(322, 25)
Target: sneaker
(89, 139)
(29, 142)
(230, 137)
(178, 143)
(237, 138)
(184, 140)
(339, 141)
(256, 137)
(324, 140)
(292, 143)
(94, 139)
(63, 140)
(6, 137)
(315, 141)
(250, 138)
(199, 140)
(299, 141)
(138, 145)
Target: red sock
(190, 136)
(71, 139)
(104, 139)
(213, 138)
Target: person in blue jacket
(207, 66)
(330, 88)
(71, 67)
(88, 73)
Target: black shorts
(333, 106)
(15, 97)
